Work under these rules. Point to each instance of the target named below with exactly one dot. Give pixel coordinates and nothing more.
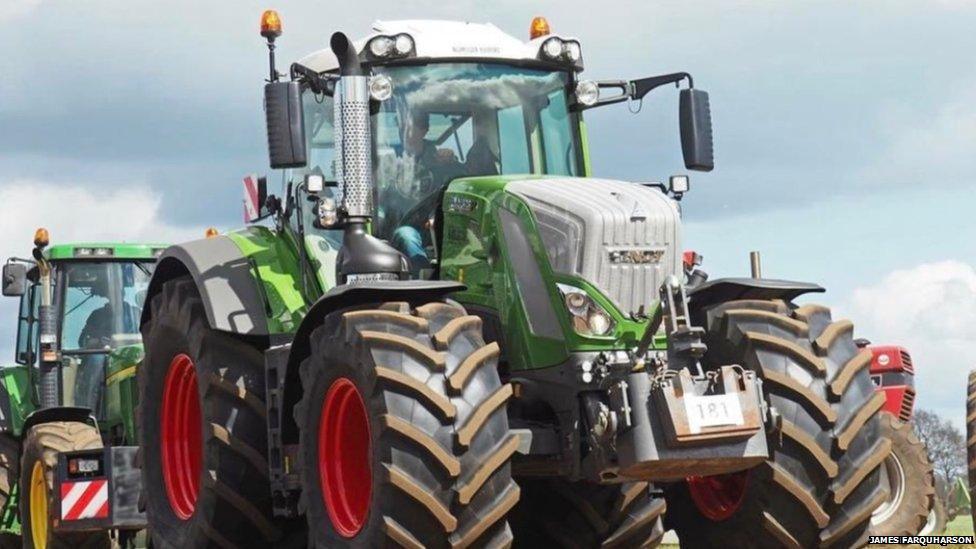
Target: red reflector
(86, 499)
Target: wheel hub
(718, 497)
(344, 457)
(893, 473)
(181, 429)
(38, 506)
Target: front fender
(729, 289)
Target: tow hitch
(688, 422)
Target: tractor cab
(97, 295)
(73, 390)
(448, 101)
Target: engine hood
(622, 237)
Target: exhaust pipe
(362, 258)
(355, 166)
(755, 264)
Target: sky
(843, 133)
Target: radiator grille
(621, 237)
(906, 360)
(907, 404)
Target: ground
(960, 526)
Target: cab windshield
(449, 120)
(465, 119)
(102, 303)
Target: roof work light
(539, 27)
(41, 237)
(270, 24)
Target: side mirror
(695, 119)
(286, 124)
(14, 279)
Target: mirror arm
(318, 83)
(634, 89)
(642, 86)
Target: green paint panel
(474, 253)
(276, 265)
(16, 382)
(122, 391)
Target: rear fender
(223, 276)
(249, 280)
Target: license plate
(712, 411)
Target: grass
(962, 525)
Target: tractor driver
(104, 322)
(425, 170)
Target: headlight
(401, 45)
(553, 48)
(587, 92)
(381, 46)
(572, 51)
(380, 87)
(587, 317)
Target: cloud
(10, 9)
(928, 147)
(72, 214)
(931, 310)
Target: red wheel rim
(181, 436)
(718, 497)
(344, 457)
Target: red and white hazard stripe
(84, 500)
(252, 210)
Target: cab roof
(442, 39)
(87, 251)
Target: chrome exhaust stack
(363, 258)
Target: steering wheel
(418, 215)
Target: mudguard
(59, 413)
(225, 279)
(729, 289)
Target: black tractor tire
(41, 446)
(937, 519)
(823, 479)
(571, 515)
(911, 482)
(436, 443)
(971, 441)
(232, 507)
(9, 458)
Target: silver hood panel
(622, 237)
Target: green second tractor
(445, 332)
(68, 470)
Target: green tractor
(444, 332)
(68, 470)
